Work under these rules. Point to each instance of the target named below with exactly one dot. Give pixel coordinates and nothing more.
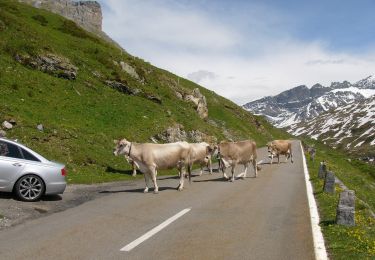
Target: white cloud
(246, 65)
(154, 23)
(200, 75)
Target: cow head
(211, 150)
(122, 147)
(270, 147)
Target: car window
(3, 149)
(10, 150)
(29, 156)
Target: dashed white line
(319, 246)
(153, 231)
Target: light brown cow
(151, 157)
(280, 147)
(233, 153)
(201, 154)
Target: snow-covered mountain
(351, 127)
(302, 103)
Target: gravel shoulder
(14, 212)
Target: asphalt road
(257, 218)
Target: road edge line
(155, 230)
(319, 245)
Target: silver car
(28, 174)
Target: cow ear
(115, 141)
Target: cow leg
(271, 158)
(223, 168)
(291, 156)
(243, 174)
(134, 170)
(232, 173)
(153, 173)
(255, 167)
(201, 172)
(278, 158)
(224, 174)
(210, 166)
(146, 181)
(181, 185)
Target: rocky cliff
(87, 14)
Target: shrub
(41, 19)
(70, 27)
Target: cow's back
(241, 152)
(165, 156)
(282, 146)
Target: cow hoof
(180, 188)
(145, 190)
(156, 191)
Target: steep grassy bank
(81, 117)
(345, 242)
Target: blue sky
(245, 50)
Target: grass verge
(356, 242)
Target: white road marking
(319, 246)
(153, 231)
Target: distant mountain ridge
(351, 127)
(341, 115)
(302, 103)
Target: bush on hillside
(70, 27)
(41, 19)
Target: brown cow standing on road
(233, 153)
(280, 147)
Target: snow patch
(364, 92)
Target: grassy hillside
(345, 242)
(81, 117)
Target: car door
(11, 164)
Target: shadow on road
(110, 169)
(11, 196)
(221, 179)
(6, 195)
(136, 190)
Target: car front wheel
(29, 188)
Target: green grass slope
(81, 117)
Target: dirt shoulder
(14, 212)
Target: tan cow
(233, 153)
(151, 157)
(280, 147)
(201, 154)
